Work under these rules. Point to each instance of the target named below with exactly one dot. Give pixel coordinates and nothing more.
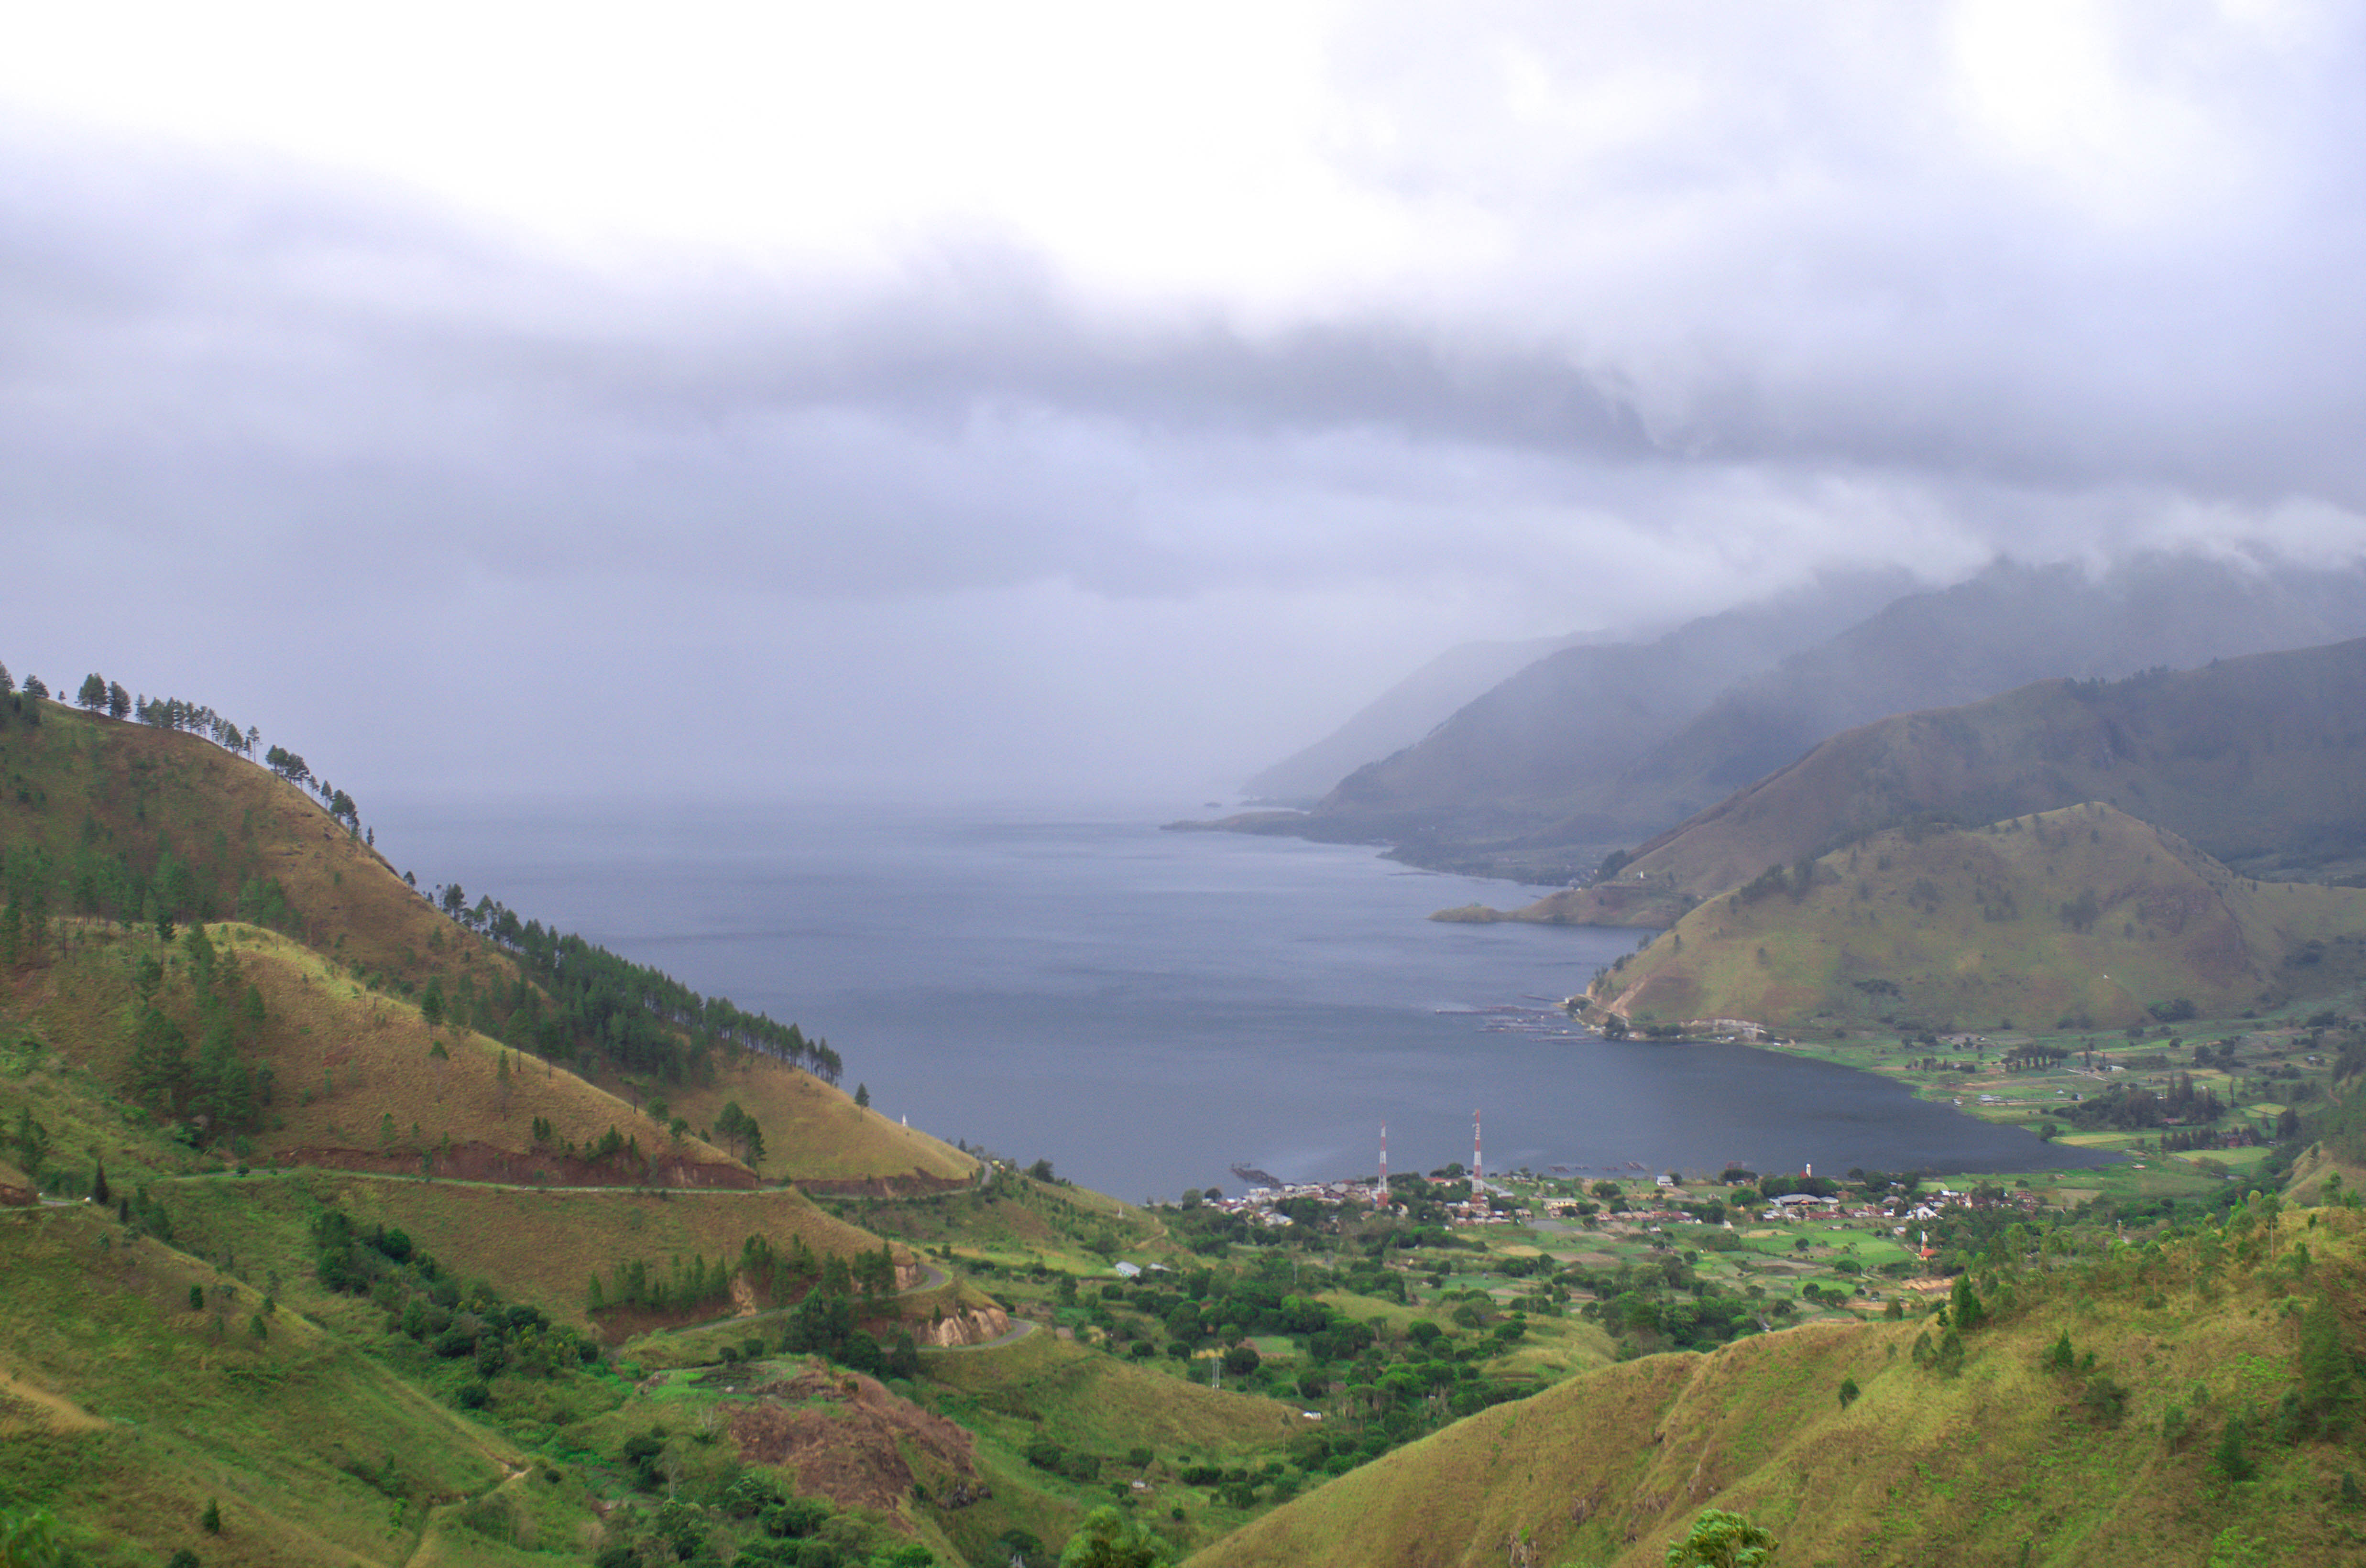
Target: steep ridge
(2260, 761)
(2084, 918)
(1593, 746)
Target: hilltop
(2083, 916)
(1597, 746)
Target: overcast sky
(998, 399)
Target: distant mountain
(1594, 746)
(2260, 761)
(1505, 763)
(1399, 717)
(2079, 918)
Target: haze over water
(1147, 1008)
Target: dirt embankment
(847, 1438)
(483, 1163)
(973, 1326)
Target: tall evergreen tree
(92, 695)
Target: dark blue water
(1147, 1008)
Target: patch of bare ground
(859, 1445)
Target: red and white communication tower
(1384, 1162)
(1478, 1161)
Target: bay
(1147, 1009)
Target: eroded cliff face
(972, 1326)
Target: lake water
(1146, 1008)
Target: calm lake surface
(1146, 1008)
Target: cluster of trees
(100, 695)
(697, 1511)
(424, 1302)
(88, 880)
(220, 1093)
(742, 1132)
(2035, 1056)
(1662, 1303)
(1797, 879)
(775, 1276)
(2127, 1107)
(638, 1016)
(293, 768)
(25, 706)
(683, 1287)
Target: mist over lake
(1146, 1008)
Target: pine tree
(2233, 1461)
(210, 1521)
(92, 695)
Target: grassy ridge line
(1972, 926)
(1611, 1466)
(184, 1412)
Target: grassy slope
(1610, 1467)
(130, 790)
(129, 1411)
(540, 1247)
(2257, 760)
(1099, 1404)
(815, 1133)
(345, 1057)
(1969, 926)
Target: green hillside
(127, 1405)
(2259, 761)
(2084, 1418)
(2079, 918)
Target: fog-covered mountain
(1399, 716)
(1596, 747)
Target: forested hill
(163, 820)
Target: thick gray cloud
(1687, 303)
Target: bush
(474, 1396)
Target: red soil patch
(860, 1448)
